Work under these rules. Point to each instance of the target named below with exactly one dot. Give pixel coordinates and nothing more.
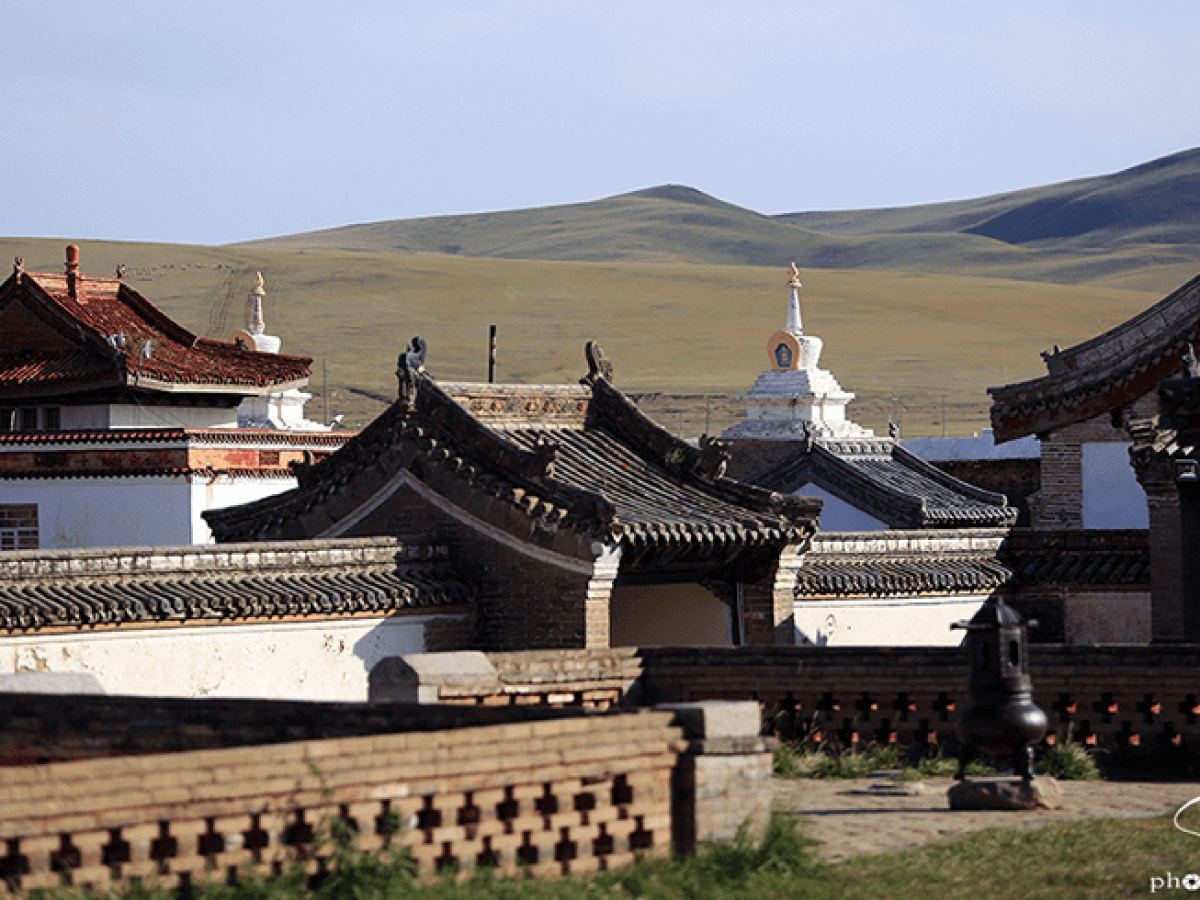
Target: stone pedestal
(1005, 793)
(723, 779)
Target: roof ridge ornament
(1191, 365)
(599, 365)
(409, 368)
(257, 324)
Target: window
(51, 418)
(29, 418)
(6, 421)
(18, 526)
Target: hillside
(1138, 229)
(1154, 203)
(670, 329)
(918, 307)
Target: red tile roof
(101, 308)
(321, 439)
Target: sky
(216, 122)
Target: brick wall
(46, 728)
(1117, 697)
(566, 795)
(1143, 698)
(1059, 503)
(526, 599)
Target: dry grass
(669, 328)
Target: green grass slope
(1139, 229)
(930, 305)
(1154, 203)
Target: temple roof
(1104, 373)
(53, 589)
(557, 466)
(881, 575)
(70, 333)
(881, 478)
(1094, 557)
(903, 563)
(896, 563)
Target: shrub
(1071, 762)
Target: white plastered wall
(223, 492)
(327, 660)
(152, 511)
(894, 622)
(1112, 497)
(838, 515)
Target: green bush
(1070, 761)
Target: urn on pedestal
(1000, 717)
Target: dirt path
(852, 817)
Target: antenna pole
(491, 354)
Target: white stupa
(282, 411)
(795, 399)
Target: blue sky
(214, 122)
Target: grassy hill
(918, 308)
(1155, 203)
(1139, 229)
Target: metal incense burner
(1000, 718)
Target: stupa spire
(796, 399)
(793, 314)
(257, 325)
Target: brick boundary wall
(36, 729)
(564, 795)
(1137, 698)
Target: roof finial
(793, 316)
(257, 325)
(18, 266)
(72, 269)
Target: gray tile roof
(887, 575)
(880, 477)
(1080, 557)
(45, 589)
(555, 465)
(915, 563)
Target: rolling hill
(922, 307)
(1154, 203)
(1138, 229)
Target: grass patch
(801, 759)
(1097, 859)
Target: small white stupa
(795, 399)
(283, 411)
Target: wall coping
(21, 565)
